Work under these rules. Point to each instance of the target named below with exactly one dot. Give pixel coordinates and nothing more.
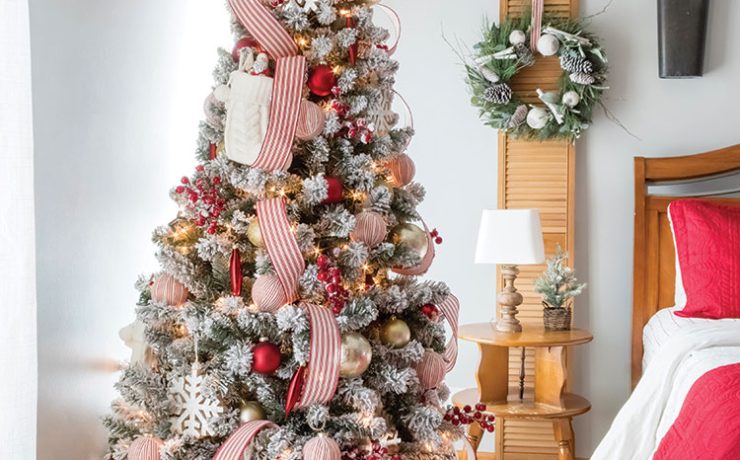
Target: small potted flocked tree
(558, 286)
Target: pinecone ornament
(519, 117)
(524, 54)
(498, 94)
(573, 63)
(582, 78)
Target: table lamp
(510, 237)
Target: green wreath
(505, 50)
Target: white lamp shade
(510, 237)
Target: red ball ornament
(246, 42)
(322, 80)
(266, 358)
(430, 311)
(334, 190)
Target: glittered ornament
(166, 289)
(322, 80)
(402, 170)
(370, 228)
(411, 236)
(268, 293)
(517, 37)
(235, 272)
(254, 234)
(431, 370)
(266, 358)
(250, 411)
(571, 99)
(321, 447)
(395, 333)
(537, 118)
(334, 190)
(548, 45)
(145, 448)
(356, 355)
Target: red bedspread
(708, 426)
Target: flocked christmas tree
(288, 321)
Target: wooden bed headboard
(654, 255)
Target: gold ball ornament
(395, 333)
(254, 234)
(250, 411)
(412, 236)
(356, 355)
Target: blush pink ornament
(321, 447)
(268, 293)
(166, 289)
(370, 228)
(145, 448)
(402, 170)
(431, 370)
(311, 120)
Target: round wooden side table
(550, 401)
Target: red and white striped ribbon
(322, 374)
(538, 7)
(233, 448)
(287, 94)
(280, 242)
(268, 31)
(450, 309)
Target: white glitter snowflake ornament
(195, 409)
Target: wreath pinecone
(573, 63)
(498, 94)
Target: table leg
(566, 440)
(493, 374)
(475, 435)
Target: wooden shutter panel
(538, 175)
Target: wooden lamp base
(509, 299)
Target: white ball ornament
(537, 118)
(548, 45)
(517, 37)
(571, 99)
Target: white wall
(118, 88)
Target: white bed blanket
(654, 405)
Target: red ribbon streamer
(233, 448)
(280, 242)
(322, 373)
(450, 310)
(287, 94)
(263, 26)
(538, 7)
(235, 269)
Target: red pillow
(707, 236)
